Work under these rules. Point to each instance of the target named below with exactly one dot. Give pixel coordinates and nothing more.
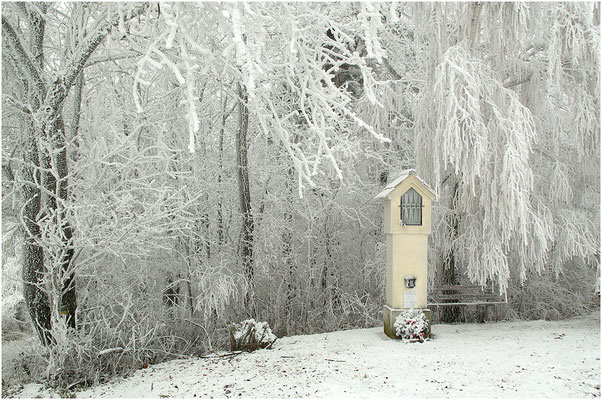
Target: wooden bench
(463, 296)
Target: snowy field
(558, 359)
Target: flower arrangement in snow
(250, 335)
(411, 326)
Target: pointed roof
(404, 175)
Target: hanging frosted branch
(483, 133)
(478, 119)
(277, 50)
(371, 22)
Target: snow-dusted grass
(504, 359)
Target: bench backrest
(464, 293)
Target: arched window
(411, 208)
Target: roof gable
(423, 186)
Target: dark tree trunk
(34, 270)
(328, 280)
(204, 220)
(451, 313)
(221, 237)
(36, 298)
(56, 185)
(46, 99)
(189, 266)
(77, 104)
(171, 292)
(324, 274)
(220, 206)
(246, 250)
(287, 236)
(69, 296)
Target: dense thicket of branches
(171, 168)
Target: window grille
(411, 208)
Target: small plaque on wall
(410, 299)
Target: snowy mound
(506, 359)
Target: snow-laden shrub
(250, 335)
(411, 325)
(549, 296)
(14, 314)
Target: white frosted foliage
(269, 48)
(477, 129)
(492, 126)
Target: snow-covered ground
(505, 359)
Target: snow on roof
(404, 174)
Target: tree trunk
(77, 105)
(46, 99)
(451, 313)
(36, 298)
(287, 236)
(221, 237)
(204, 220)
(56, 185)
(474, 24)
(246, 250)
(329, 280)
(34, 270)
(189, 267)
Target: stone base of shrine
(391, 313)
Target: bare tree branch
(22, 9)
(111, 57)
(22, 56)
(474, 23)
(518, 80)
(391, 69)
(17, 104)
(83, 53)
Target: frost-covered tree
(508, 133)
(286, 61)
(286, 57)
(44, 78)
(227, 152)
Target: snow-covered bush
(14, 315)
(411, 326)
(550, 296)
(250, 335)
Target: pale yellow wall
(406, 255)
(389, 280)
(406, 246)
